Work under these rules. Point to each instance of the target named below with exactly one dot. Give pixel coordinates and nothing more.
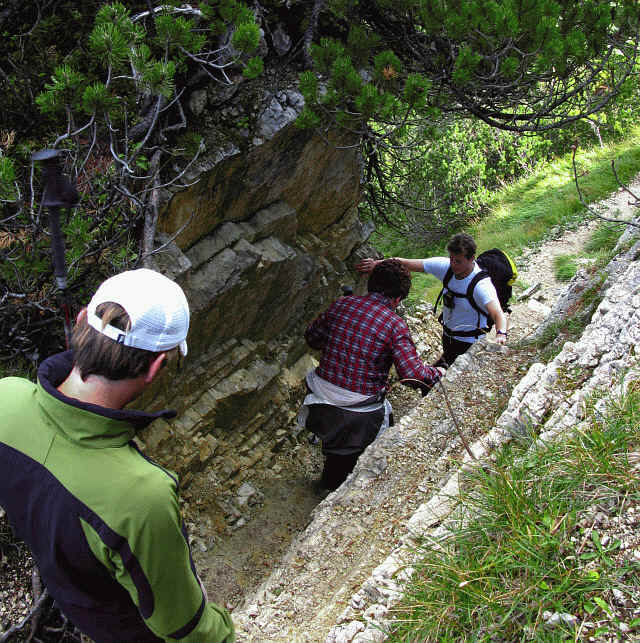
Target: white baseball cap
(157, 308)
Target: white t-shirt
(463, 316)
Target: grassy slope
(526, 211)
(530, 549)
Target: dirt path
(536, 264)
(235, 565)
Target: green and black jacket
(102, 521)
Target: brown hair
(390, 278)
(462, 243)
(97, 354)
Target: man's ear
(154, 368)
(82, 315)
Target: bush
(450, 177)
(564, 267)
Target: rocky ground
(281, 507)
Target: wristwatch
(501, 332)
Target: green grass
(603, 240)
(527, 546)
(526, 211)
(565, 267)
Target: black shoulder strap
(483, 274)
(445, 283)
(447, 277)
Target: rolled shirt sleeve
(406, 360)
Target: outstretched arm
(368, 264)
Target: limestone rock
(261, 244)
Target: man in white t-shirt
(462, 322)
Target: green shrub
(604, 239)
(564, 267)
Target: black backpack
(501, 269)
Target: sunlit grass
(564, 267)
(603, 240)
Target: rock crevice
(343, 575)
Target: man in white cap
(102, 521)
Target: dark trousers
(345, 435)
(337, 468)
(452, 348)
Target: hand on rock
(366, 265)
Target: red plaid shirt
(360, 337)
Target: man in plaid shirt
(360, 338)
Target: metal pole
(58, 192)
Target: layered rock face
(261, 244)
